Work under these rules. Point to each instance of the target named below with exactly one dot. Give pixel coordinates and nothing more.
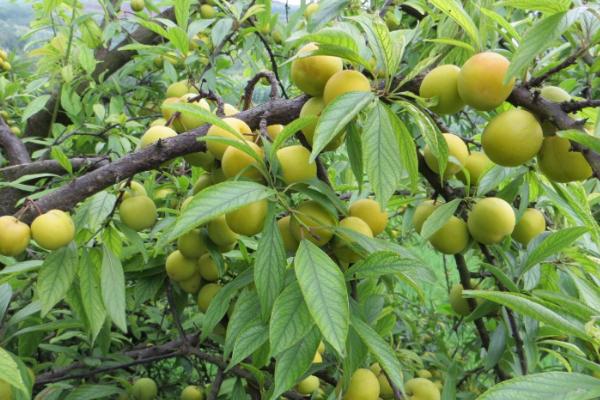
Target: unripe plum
(186, 119)
(202, 159)
(137, 5)
(192, 284)
(422, 212)
(138, 212)
(154, 134)
(178, 267)
(229, 110)
(290, 243)
(207, 11)
(180, 88)
(310, 9)
(53, 230)
(295, 165)
(249, 219)
(6, 391)
(452, 237)
(421, 389)
(385, 389)
(236, 161)
(512, 138)
(490, 220)
(206, 294)
(191, 244)
(144, 389)
(220, 233)
(559, 163)
(456, 148)
(344, 82)
(370, 211)
(308, 385)
(459, 304)
(192, 393)
(134, 189)
(480, 82)
(313, 222)
(274, 130)
(441, 82)
(555, 94)
(14, 236)
(477, 164)
(363, 386)
(207, 268)
(217, 148)
(531, 224)
(311, 74)
(342, 247)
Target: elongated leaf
(569, 304)
(294, 362)
(454, 10)
(289, 130)
(336, 116)
(269, 267)
(382, 351)
(22, 267)
(216, 200)
(589, 141)
(544, 6)
(334, 37)
(439, 217)
(539, 38)
(36, 105)
(322, 284)
(112, 281)
(202, 114)
(531, 308)
(244, 314)
(290, 321)
(5, 297)
(182, 13)
(91, 294)
(328, 9)
(355, 152)
(379, 41)
(220, 303)
(453, 42)
(551, 245)
(547, 386)
(92, 392)
(502, 22)
(502, 277)
(9, 371)
(56, 275)
(380, 153)
(248, 342)
(497, 346)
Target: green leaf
(354, 150)
(497, 347)
(269, 267)
(454, 10)
(499, 19)
(589, 141)
(215, 201)
(57, 154)
(342, 52)
(152, 26)
(333, 37)
(220, 303)
(56, 275)
(220, 30)
(328, 9)
(294, 362)
(289, 130)
(453, 42)
(539, 38)
(22, 267)
(86, 59)
(290, 320)
(380, 349)
(379, 41)
(36, 105)
(336, 116)
(547, 386)
(112, 282)
(178, 37)
(182, 13)
(244, 314)
(439, 217)
(92, 392)
(202, 114)
(529, 307)
(381, 153)
(551, 245)
(5, 297)
(9, 371)
(545, 6)
(248, 342)
(324, 289)
(91, 295)
(502, 277)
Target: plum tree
(137, 5)
(206, 294)
(531, 224)
(476, 165)
(249, 219)
(220, 233)
(310, 74)
(154, 134)
(490, 220)
(312, 221)
(363, 385)
(452, 237)
(459, 304)
(308, 385)
(294, 163)
(345, 81)
(343, 243)
(178, 267)
(237, 162)
(217, 149)
(144, 389)
(207, 268)
(559, 163)
(481, 81)
(138, 212)
(192, 392)
(370, 211)
(14, 236)
(422, 212)
(441, 82)
(53, 230)
(192, 244)
(421, 389)
(457, 149)
(512, 138)
(386, 391)
(290, 243)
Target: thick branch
(572, 106)
(15, 150)
(50, 166)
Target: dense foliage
(336, 200)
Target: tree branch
(15, 150)
(573, 106)
(567, 62)
(249, 90)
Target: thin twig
(216, 385)
(567, 62)
(572, 106)
(249, 90)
